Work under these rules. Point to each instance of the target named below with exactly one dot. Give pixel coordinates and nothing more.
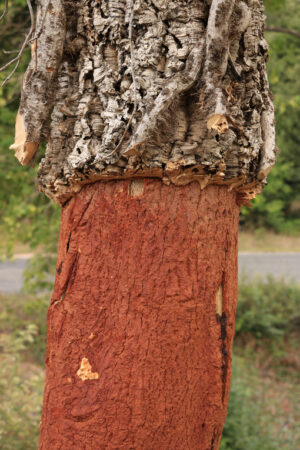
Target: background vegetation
(264, 400)
(278, 208)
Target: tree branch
(28, 38)
(17, 59)
(5, 10)
(283, 30)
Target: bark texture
(173, 89)
(141, 321)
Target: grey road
(280, 265)
(11, 274)
(286, 265)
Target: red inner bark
(135, 306)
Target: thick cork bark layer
(141, 321)
(168, 89)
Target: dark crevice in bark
(222, 320)
(59, 268)
(213, 440)
(68, 242)
(66, 276)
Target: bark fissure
(222, 320)
(68, 242)
(175, 90)
(66, 276)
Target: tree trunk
(142, 316)
(141, 321)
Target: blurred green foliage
(25, 214)
(246, 428)
(273, 5)
(22, 352)
(268, 319)
(257, 420)
(17, 312)
(21, 390)
(279, 205)
(268, 312)
(267, 309)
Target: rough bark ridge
(173, 89)
(141, 321)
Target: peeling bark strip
(40, 80)
(135, 356)
(24, 149)
(172, 89)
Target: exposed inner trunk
(141, 322)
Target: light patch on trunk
(268, 153)
(219, 301)
(218, 122)
(136, 187)
(85, 371)
(24, 150)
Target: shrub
(246, 427)
(20, 311)
(261, 415)
(21, 390)
(267, 309)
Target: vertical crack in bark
(222, 320)
(68, 242)
(66, 276)
(213, 440)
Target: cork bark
(141, 321)
(171, 89)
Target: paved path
(11, 274)
(286, 265)
(280, 265)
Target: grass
(264, 406)
(263, 411)
(268, 241)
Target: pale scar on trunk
(219, 301)
(85, 371)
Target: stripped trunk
(175, 93)
(141, 321)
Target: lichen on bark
(171, 89)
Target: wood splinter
(24, 150)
